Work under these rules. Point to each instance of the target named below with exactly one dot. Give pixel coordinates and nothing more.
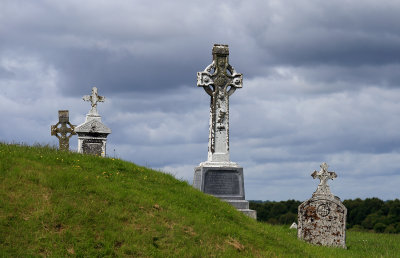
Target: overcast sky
(321, 84)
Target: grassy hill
(59, 204)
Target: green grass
(66, 204)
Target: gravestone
(219, 176)
(62, 131)
(322, 219)
(92, 134)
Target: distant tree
(391, 229)
(370, 221)
(287, 218)
(394, 207)
(379, 227)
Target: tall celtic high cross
(323, 175)
(62, 131)
(219, 80)
(94, 98)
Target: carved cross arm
(87, 98)
(54, 129)
(101, 98)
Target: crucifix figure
(62, 131)
(219, 80)
(94, 98)
(323, 175)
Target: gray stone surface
(219, 80)
(223, 182)
(92, 134)
(322, 219)
(219, 176)
(63, 130)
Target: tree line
(371, 214)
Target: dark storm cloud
(123, 72)
(139, 47)
(335, 32)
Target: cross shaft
(219, 80)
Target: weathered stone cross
(219, 80)
(323, 175)
(63, 133)
(94, 98)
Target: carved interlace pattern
(219, 80)
(63, 130)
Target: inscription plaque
(92, 146)
(222, 182)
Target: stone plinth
(219, 176)
(92, 137)
(92, 134)
(322, 219)
(225, 182)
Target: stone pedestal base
(92, 136)
(94, 145)
(224, 181)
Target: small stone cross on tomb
(323, 175)
(219, 80)
(63, 133)
(94, 98)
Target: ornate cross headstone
(94, 98)
(219, 80)
(92, 134)
(323, 175)
(62, 131)
(322, 219)
(219, 176)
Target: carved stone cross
(94, 98)
(219, 80)
(323, 175)
(62, 131)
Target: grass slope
(59, 203)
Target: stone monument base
(223, 180)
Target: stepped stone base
(243, 206)
(224, 181)
(250, 213)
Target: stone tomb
(62, 131)
(322, 219)
(92, 134)
(219, 176)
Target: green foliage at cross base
(59, 204)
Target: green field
(67, 204)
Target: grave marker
(62, 131)
(92, 134)
(219, 176)
(322, 219)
